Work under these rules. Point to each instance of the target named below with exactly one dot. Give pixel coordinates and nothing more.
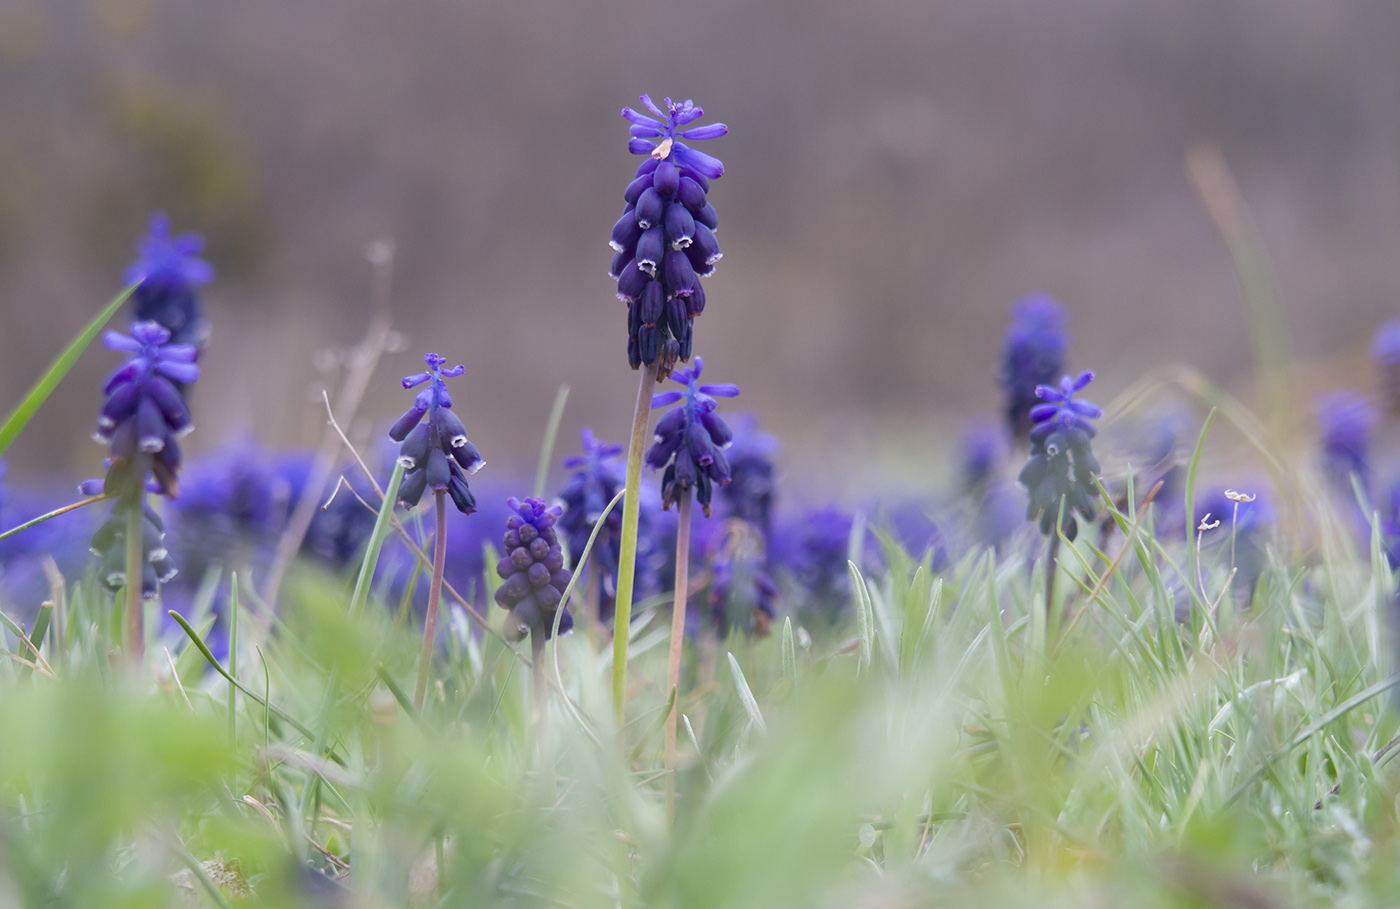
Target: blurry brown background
(897, 174)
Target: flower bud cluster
(533, 569)
(436, 454)
(690, 439)
(109, 544)
(1062, 465)
(665, 240)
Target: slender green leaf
(26, 408)
(746, 695)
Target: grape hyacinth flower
(1385, 353)
(1346, 419)
(665, 240)
(169, 270)
(593, 485)
(1062, 465)
(688, 446)
(749, 492)
(1032, 355)
(143, 416)
(533, 572)
(689, 439)
(435, 454)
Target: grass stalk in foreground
(673, 669)
(627, 559)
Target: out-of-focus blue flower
(811, 549)
(1032, 355)
(533, 569)
(741, 593)
(665, 242)
(915, 530)
(437, 453)
(1062, 463)
(749, 493)
(169, 271)
(983, 447)
(145, 413)
(1346, 419)
(689, 439)
(594, 483)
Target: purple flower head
(741, 592)
(664, 243)
(1346, 419)
(983, 447)
(1032, 355)
(437, 453)
(1062, 463)
(145, 411)
(690, 438)
(532, 571)
(749, 492)
(810, 549)
(169, 270)
(594, 483)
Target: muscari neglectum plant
(436, 455)
(144, 414)
(170, 272)
(1059, 476)
(664, 243)
(688, 449)
(585, 497)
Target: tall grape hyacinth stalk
(664, 244)
(689, 443)
(143, 416)
(436, 455)
(1060, 473)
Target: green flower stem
(627, 559)
(430, 622)
(135, 630)
(673, 675)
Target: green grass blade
(26, 408)
(376, 542)
(551, 433)
(746, 695)
(789, 651)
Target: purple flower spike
(1031, 356)
(595, 481)
(532, 571)
(1062, 463)
(1346, 420)
(690, 439)
(168, 270)
(435, 454)
(665, 242)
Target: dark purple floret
(1345, 420)
(593, 485)
(109, 542)
(532, 571)
(145, 413)
(664, 243)
(690, 439)
(749, 492)
(435, 454)
(1062, 465)
(1032, 355)
(170, 271)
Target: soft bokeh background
(898, 173)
